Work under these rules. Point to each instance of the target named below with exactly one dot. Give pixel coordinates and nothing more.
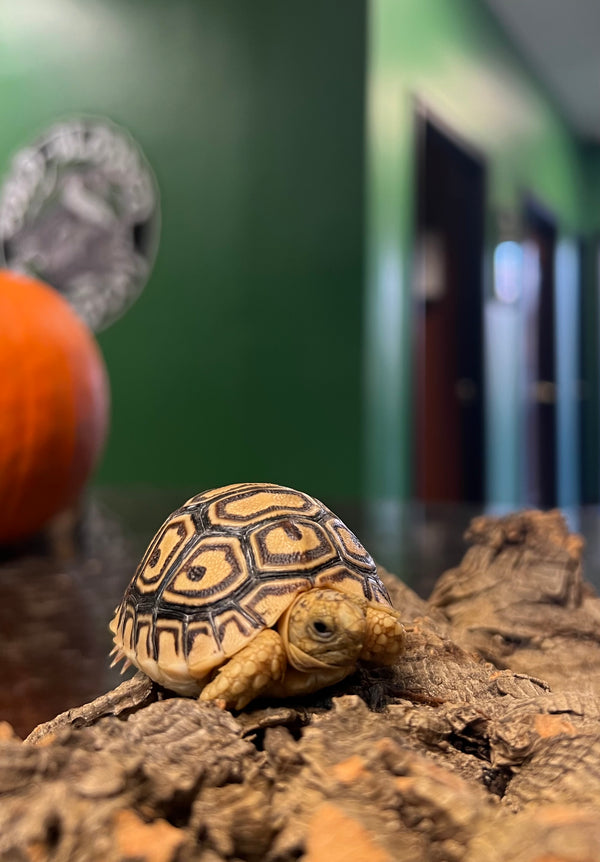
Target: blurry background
(377, 277)
(242, 358)
(335, 191)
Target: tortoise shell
(225, 566)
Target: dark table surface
(58, 594)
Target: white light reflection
(503, 367)
(503, 370)
(30, 26)
(508, 271)
(385, 378)
(567, 289)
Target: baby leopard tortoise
(254, 589)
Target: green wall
(242, 358)
(453, 59)
(591, 156)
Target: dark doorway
(541, 462)
(590, 363)
(449, 417)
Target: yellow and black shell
(225, 566)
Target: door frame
(425, 116)
(541, 430)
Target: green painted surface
(592, 189)
(452, 58)
(241, 360)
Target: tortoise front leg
(385, 636)
(249, 672)
(296, 682)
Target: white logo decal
(79, 210)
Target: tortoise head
(323, 628)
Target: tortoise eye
(321, 629)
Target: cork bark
(483, 743)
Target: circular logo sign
(79, 210)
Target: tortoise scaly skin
(254, 589)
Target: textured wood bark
(519, 599)
(483, 743)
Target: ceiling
(560, 40)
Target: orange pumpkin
(53, 405)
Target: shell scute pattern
(166, 546)
(291, 545)
(254, 505)
(225, 566)
(213, 570)
(348, 545)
